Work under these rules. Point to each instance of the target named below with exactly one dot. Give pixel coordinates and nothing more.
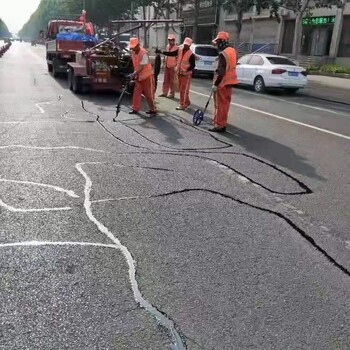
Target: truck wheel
(77, 84)
(54, 71)
(49, 67)
(70, 78)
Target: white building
(326, 35)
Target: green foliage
(4, 32)
(98, 12)
(329, 68)
(332, 68)
(307, 6)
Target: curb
(333, 75)
(324, 99)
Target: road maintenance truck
(64, 38)
(107, 65)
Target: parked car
(264, 71)
(206, 56)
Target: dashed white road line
(281, 118)
(56, 188)
(31, 210)
(16, 122)
(297, 104)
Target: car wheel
(259, 85)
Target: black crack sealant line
(227, 145)
(179, 152)
(178, 342)
(306, 189)
(266, 210)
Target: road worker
(144, 78)
(225, 78)
(169, 68)
(186, 63)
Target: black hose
(157, 66)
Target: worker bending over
(169, 68)
(186, 63)
(144, 78)
(225, 78)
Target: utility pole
(131, 13)
(167, 24)
(252, 33)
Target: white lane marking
(228, 170)
(64, 115)
(162, 319)
(117, 199)
(13, 122)
(56, 188)
(31, 210)
(46, 243)
(38, 105)
(243, 179)
(53, 148)
(295, 103)
(282, 118)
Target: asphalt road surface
(153, 234)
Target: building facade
(325, 36)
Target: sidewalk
(328, 88)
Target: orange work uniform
(144, 83)
(169, 71)
(184, 76)
(222, 97)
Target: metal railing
(247, 47)
(266, 48)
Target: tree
(241, 6)
(4, 32)
(302, 8)
(159, 9)
(98, 11)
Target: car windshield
(281, 60)
(206, 51)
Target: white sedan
(270, 71)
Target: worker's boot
(152, 113)
(216, 129)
